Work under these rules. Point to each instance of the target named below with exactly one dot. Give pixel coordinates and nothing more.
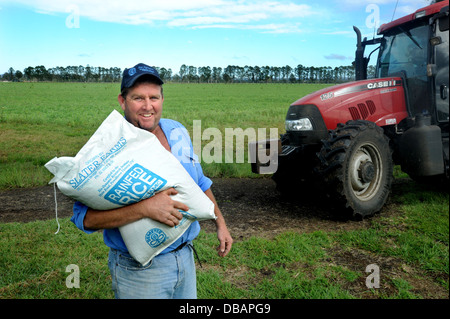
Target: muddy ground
(250, 207)
(253, 207)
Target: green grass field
(410, 247)
(42, 120)
(39, 121)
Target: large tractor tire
(356, 166)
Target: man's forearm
(107, 219)
(159, 207)
(220, 221)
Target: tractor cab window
(404, 52)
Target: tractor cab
(414, 48)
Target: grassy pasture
(39, 121)
(410, 246)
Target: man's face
(143, 106)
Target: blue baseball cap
(130, 76)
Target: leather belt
(182, 246)
(179, 247)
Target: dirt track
(253, 207)
(250, 206)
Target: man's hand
(162, 208)
(225, 241)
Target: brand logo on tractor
(381, 84)
(327, 96)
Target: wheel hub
(366, 172)
(360, 160)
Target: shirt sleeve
(203, 182)
(79, 213)
(182, 148)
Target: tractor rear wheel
(356, 165)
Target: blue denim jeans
(167, 276)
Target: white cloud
(210, 20)
(364, 3)
(403, 6)
(180, 13)
(335, 56)
(278, 28)
(339, 32)
(271, 28)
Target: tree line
(192, 74)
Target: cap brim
(133, 80)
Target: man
(171, 274)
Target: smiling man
(171, 274)
(143, 108)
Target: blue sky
(170, 33)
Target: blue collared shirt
(181, 147)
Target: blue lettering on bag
(136, 184)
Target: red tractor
(347, 138)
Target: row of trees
(65, 74)
(192, 74)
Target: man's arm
(225, 239)
(159, 207)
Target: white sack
(121, 165)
